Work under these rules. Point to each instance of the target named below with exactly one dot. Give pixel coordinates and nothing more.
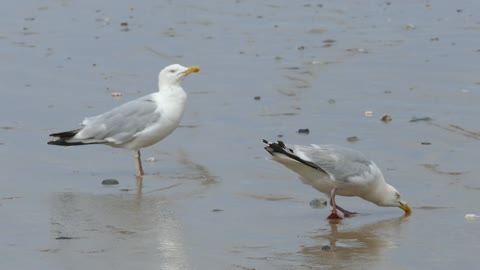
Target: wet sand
(211, 200)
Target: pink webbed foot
(334, 215)
(345, 212)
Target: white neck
(174, 92)
(376, 196)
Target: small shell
(471, 216)
(409, 27)
(151, 159)
(116, 94)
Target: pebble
(304, 131)
(353, 139)
(326, 248)
(217, 210)
(425, 143)
(116, 94)
(109, 182)
(257, 97)
(386, 118)
(331, 101)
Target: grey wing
(122, 123)
(340, 163)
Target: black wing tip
(62, 137)
(278, 143)
(276, 147)
(281, 148)
(63, 142)
(65, 134)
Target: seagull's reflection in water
(116, 231)
(134, 230)
(360, 247)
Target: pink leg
(345, 212)
(138, 163)
(334, 214)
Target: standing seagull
(336, 170)
(138, 123)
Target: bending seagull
(336, 170)
(138, 123)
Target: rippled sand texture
(269, 68)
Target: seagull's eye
(397, 195)
(172, 70)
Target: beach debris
(357, 50)
(471, 216)
(368, 113)
(418, 119)
(434, 168)
(304, 131)
(353, 139)
(110, 182)
(124, 26)
(151, 159)
(63, 238)
(326, 248)
(409, 27)
(386, 118)
(318, 203)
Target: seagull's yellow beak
(193, 69)
(404, 206)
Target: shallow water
(212, 200)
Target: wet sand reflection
(142, 228)
(364, 246)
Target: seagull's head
(391, 197)
(174, 74)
